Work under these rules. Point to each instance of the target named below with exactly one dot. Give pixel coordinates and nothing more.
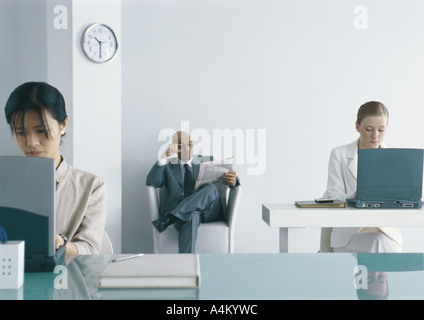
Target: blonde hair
(371, 108)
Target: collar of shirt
(188, 162)
(61, 171)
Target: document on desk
(212, 171)
(314, 204)
(152, 271)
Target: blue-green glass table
(253, 276)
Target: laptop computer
(28, 208)
(389, 178)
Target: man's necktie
(188, 181)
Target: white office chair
(107, 247)
(325, 240)
(212, 237)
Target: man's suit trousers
(202, 206)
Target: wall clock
(99, 43)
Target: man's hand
(171, 150)
(230, 177)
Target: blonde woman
(371, 124)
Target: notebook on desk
(317, 204)
(152, 271)
(389, 178)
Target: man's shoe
(162, 223)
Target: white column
(97, 108)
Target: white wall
(298, 69)
(34, 48)
(59, 65)
(22, 57)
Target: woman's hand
(59, 241)
(71, 249)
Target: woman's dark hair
(38, 96)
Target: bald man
(185, 208)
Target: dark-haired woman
(371, 124)
(37, 117)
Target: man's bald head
(185, 145)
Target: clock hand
(100, 49)
(100, 46)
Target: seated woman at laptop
(37, 117)
(371, 124)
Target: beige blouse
(80, 208)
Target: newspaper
(212, 171)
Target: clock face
(99, 43)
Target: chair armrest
(232, 211)
(153, 202)
(233, 204)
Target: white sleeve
(336, 185)
(162, 162)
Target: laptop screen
(28, 202)
(387, 174)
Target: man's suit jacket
(341, 184)
(170, 175)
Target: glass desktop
(253, 276)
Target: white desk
(292, 220)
